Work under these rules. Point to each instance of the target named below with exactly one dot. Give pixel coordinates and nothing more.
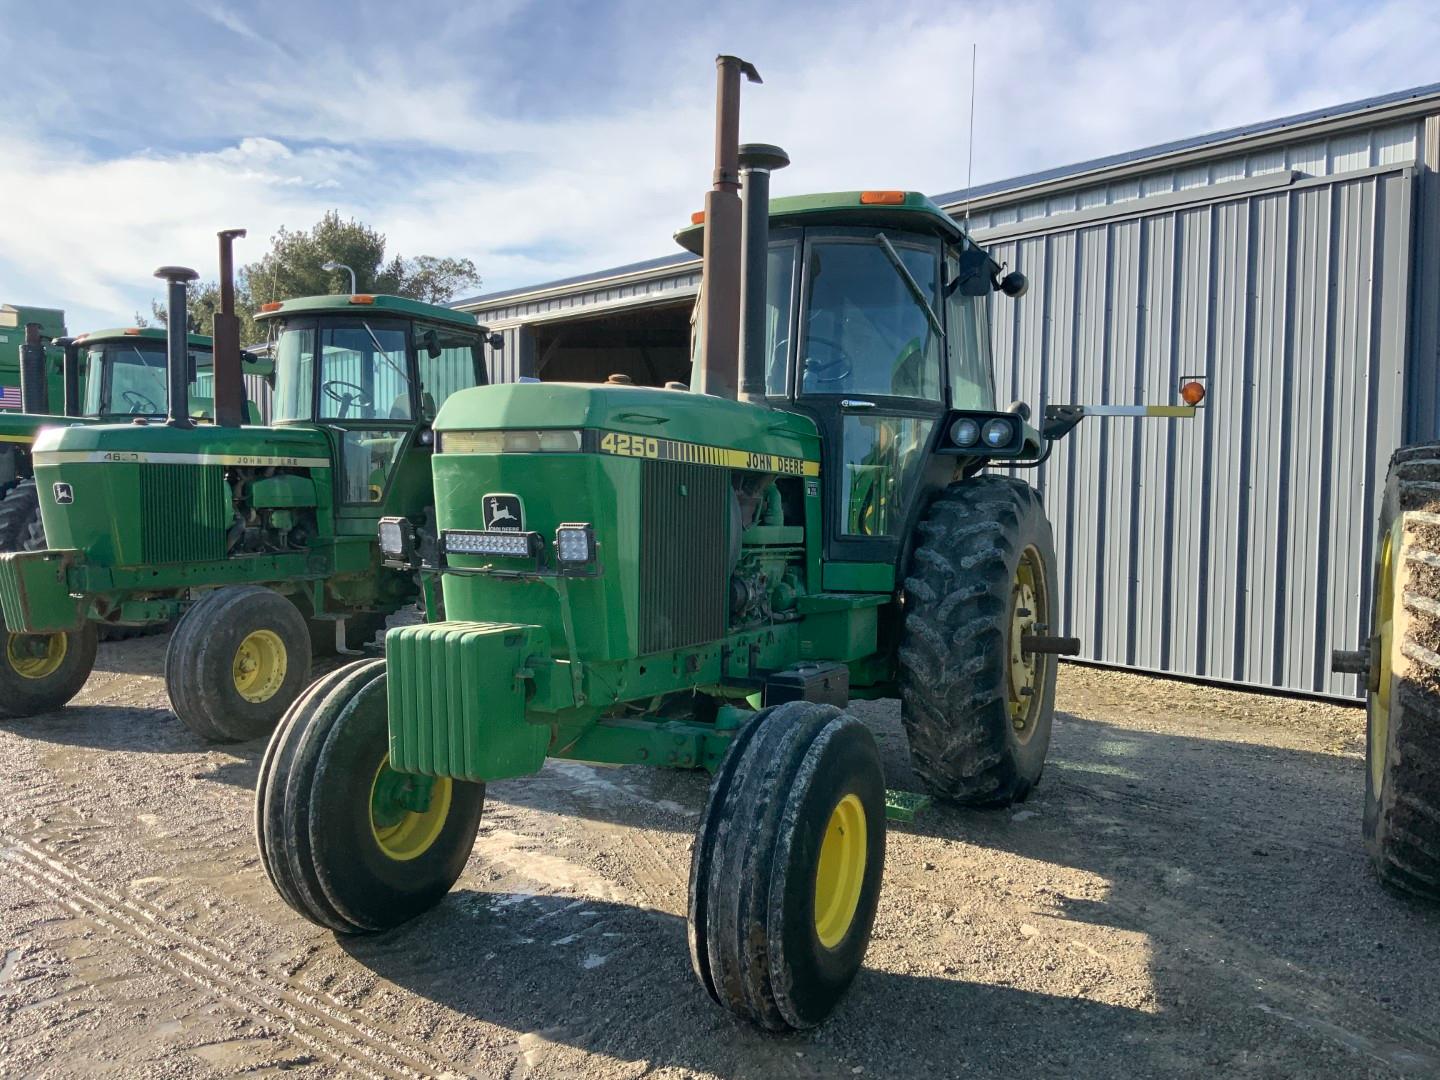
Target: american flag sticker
(9, 397)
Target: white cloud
(420, 149)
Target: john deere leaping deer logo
(504, 513)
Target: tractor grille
(185, 513)
(684, 533)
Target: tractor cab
(371, 371)
(876, 327)
(123, 374)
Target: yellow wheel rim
(840, 873)
(259, 666)
(1029, 602)
(407, 811)
(36, 656)
(1386, 572)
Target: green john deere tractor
(706, 577)
(1400, 665)
(263, 537)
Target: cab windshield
(128, 379)
(363, 372)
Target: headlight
(512, 545)
(574, 544)
(397, 538)
(998, 433)
(965, 432)
(510, 442)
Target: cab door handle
(853, 403)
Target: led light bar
(510, 442)
(510, 545)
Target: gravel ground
(1185, 894)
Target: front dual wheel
(347, 841)
(786, 869)
(238, 658)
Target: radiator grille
(684, 533)
(185, 512)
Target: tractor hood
(660, 416)
(155, 443)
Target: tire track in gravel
(327, 1028)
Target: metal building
(1295, 264)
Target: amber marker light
(1192, 393)
(362, 298)
(697, 218)
(273, 305)
(882, 198)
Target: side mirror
(496, 341)
(431, 341)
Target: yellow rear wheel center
(36, 656)
(407, 811)
(1026, 673)
(840, 872)
(259, 666)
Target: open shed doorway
(650, 344)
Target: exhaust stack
(757, 162)
(70, 375)
(33, 391)
(177, 335)
(229, 381)
(717, 363)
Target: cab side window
(967, 325)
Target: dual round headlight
(996, 433)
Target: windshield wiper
(908, 278)
(384, 355)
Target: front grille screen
(684, 533)
(186, 513)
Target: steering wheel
(139, 403)
(826, 371)
(360, 397)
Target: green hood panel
(638, 410)
(141, 442)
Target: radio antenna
(970, 164)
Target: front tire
(786, 869)
(348, 842)
(976, 706)
(1402, 745)
(19, 513)
(237, 660)
(41, 672)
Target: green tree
(294, 266)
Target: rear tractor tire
(786, 869)
(348, 842)
(237, 660)
(19, 515)
(976, 706)
(41, 672)
(1402, 746)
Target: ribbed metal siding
(185, 512)
(1232, 547)
(683, 536)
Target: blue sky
(546, 139)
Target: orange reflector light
(273, 305)
(1192, 393)
(362, 298)
(882, 198)
(134, 331)
(697, 218)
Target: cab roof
(359, 303)
(148, 333)
(907, 210)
